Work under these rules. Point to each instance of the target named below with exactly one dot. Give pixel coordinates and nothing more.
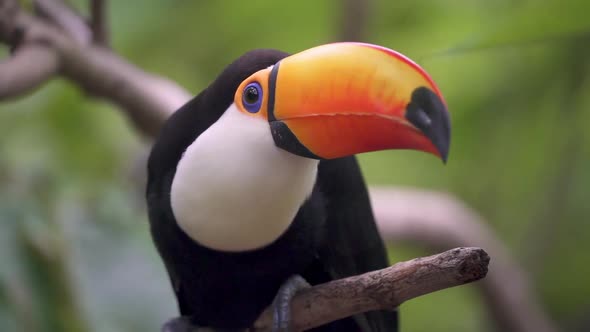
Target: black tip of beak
(427, 112)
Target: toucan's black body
(333, 235)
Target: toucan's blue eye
(252, 97)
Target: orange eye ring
(246, 104)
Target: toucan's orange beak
(342, 99)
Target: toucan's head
(245, 151)
(342, 99)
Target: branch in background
(8, 13)
(65, 18)
(443, 221)
(384, 289)
(98, 22)
(353, 20)
(147, 99)
(29, 67)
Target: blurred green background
(75, 252)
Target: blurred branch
(65, 18)
(443, 221)
(98, 22)
(29, 67)
(8, 13)
(384, 289)
(147, 99)
(354, 19)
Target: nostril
(428, 113)
(418, 117)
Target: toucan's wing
(352, 242)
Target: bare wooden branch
(98, 22)
(147, 99)
(8, 13)
(384, 289)
(29, 67)
(441, 221)
(64, 17)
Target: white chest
(234, 190)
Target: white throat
(234, 190)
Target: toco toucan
(253, 184)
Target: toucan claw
(281, 305)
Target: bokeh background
(75, 252)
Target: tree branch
(147, 99)
(64, 17)
(384, 289)
(98, 22)
(444, 222)
(8, 13)
(29, 67)
(353, 20)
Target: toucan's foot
(282, 303)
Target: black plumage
(333, 235)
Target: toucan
(254, 190)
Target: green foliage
(75, 252)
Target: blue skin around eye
(252, 107)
